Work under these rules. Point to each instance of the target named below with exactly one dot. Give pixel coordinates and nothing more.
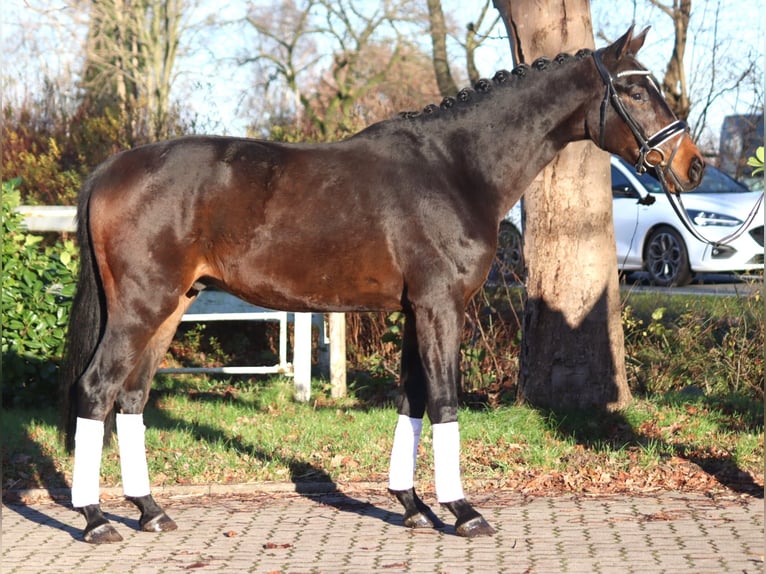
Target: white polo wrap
(401, 474)
(130, 436)
(447, 462)
(88, 444)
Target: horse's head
(635, 122)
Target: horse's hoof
(102, 534)
(417, 514)
(160, 523)
(474, 527)
(418, 520)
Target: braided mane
(502, 78)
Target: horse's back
(266, 221)
(303, 227)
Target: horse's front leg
(430, 377)
(440, 349)
(411, 408)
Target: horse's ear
(637, 42)
(629, 44)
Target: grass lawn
(202, 431)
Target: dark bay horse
(402, 216)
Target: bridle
(662, 168)
(646, 144)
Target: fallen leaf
(273, 545)
(396, 565)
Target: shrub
(33, 148)
(713, 345)
(40, 170)
(37, 285)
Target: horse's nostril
(696, 169)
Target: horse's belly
(316, 280)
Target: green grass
(214, 432)
(695, 367)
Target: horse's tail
(86, 320)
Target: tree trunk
(572, 354)
(444, 79)
(131, 51)
(674, 83)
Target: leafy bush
(50, 148)
(717, 350)
(39, 169)
(37, 285)
(34, 148)
(756, 162)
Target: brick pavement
(361, 532)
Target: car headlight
(703, 218)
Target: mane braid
(500, 79)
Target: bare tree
(321, 51)
(130, 54)
(674, 83)
(474, 38)
(719, 75)
(572, 353)
(447, 86)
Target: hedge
(38, 282)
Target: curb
(41, 495)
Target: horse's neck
(515, 133)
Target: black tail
(86, 320)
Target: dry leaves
(275, 546)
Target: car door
(625, 214)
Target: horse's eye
(637, 96)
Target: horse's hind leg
(131, 430)
(135, 473)
(96, 397)
(89, 440)
(88, 447)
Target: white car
(650, 237)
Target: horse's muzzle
(696, 169)
(676, 182)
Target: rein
(678, 207)
(651, 144)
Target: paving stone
(362, 532)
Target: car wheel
(666, 259)
(508, 265)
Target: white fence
(220, 306)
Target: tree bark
(674, 83)
(447, 86)
(572, 354)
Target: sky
(216, 89)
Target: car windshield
(714, 181)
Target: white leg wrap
(447, 462)
(88, 443)
(401, 474)
(130, 436)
